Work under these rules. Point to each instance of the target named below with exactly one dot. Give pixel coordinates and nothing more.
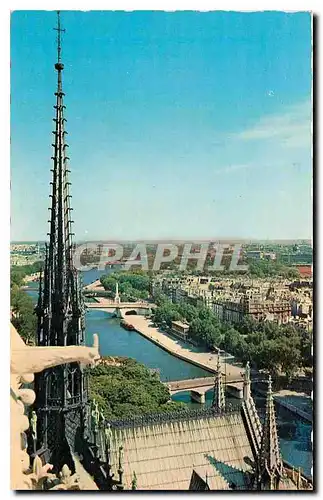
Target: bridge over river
(109, 305)
(199, 386)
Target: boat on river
(126, 325)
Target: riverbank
(96, 286)
(205, 360)
(31, 277)
(289, 400)
(116, 341)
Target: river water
(294, 433)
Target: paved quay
(96, 286)
(31, 277)
(205, 360)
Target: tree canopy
(132, 285)
(129, 389)
(23, 316)
(267, 268)
(22, 307)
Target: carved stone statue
(107, 437)
(94, 416)
(101, 418)
(120, 458)
(134, 481)
(33, 423)
(247, 371)
(96, 409)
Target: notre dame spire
(61, 395)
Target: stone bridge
(121, 308)
(199, 386)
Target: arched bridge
(109, 305)
(123, 305)
(199, 386)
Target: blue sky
(180, 125)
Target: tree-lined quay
(205, 360)
(267, 345)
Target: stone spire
(269, 460)
(250, 411)
(247, 383)
(117, 296)
(120, 468)
(218, 395)
(61, 391)
(134, 481)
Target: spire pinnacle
(59, 66)
(134, 481)
(120, 465)
(269, 460)
(218, 395)
(218, 366)
(117, 296)
(246, 383)
(270, 390)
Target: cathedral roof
(164, 453)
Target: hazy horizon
(179, 241)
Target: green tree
(23, 316)
(160, 299)
(128, 390)
(267, 345)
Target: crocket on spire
(218, 402)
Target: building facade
(180, 330)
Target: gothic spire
(218, 395)
(269, 459)
(62, 302)
(61, 392)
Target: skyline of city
(143, 90)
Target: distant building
(305, 271)
(296, 258)
(255, 307)
(23, 260)
(180, 329)
(269, 255)
(254, 254)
